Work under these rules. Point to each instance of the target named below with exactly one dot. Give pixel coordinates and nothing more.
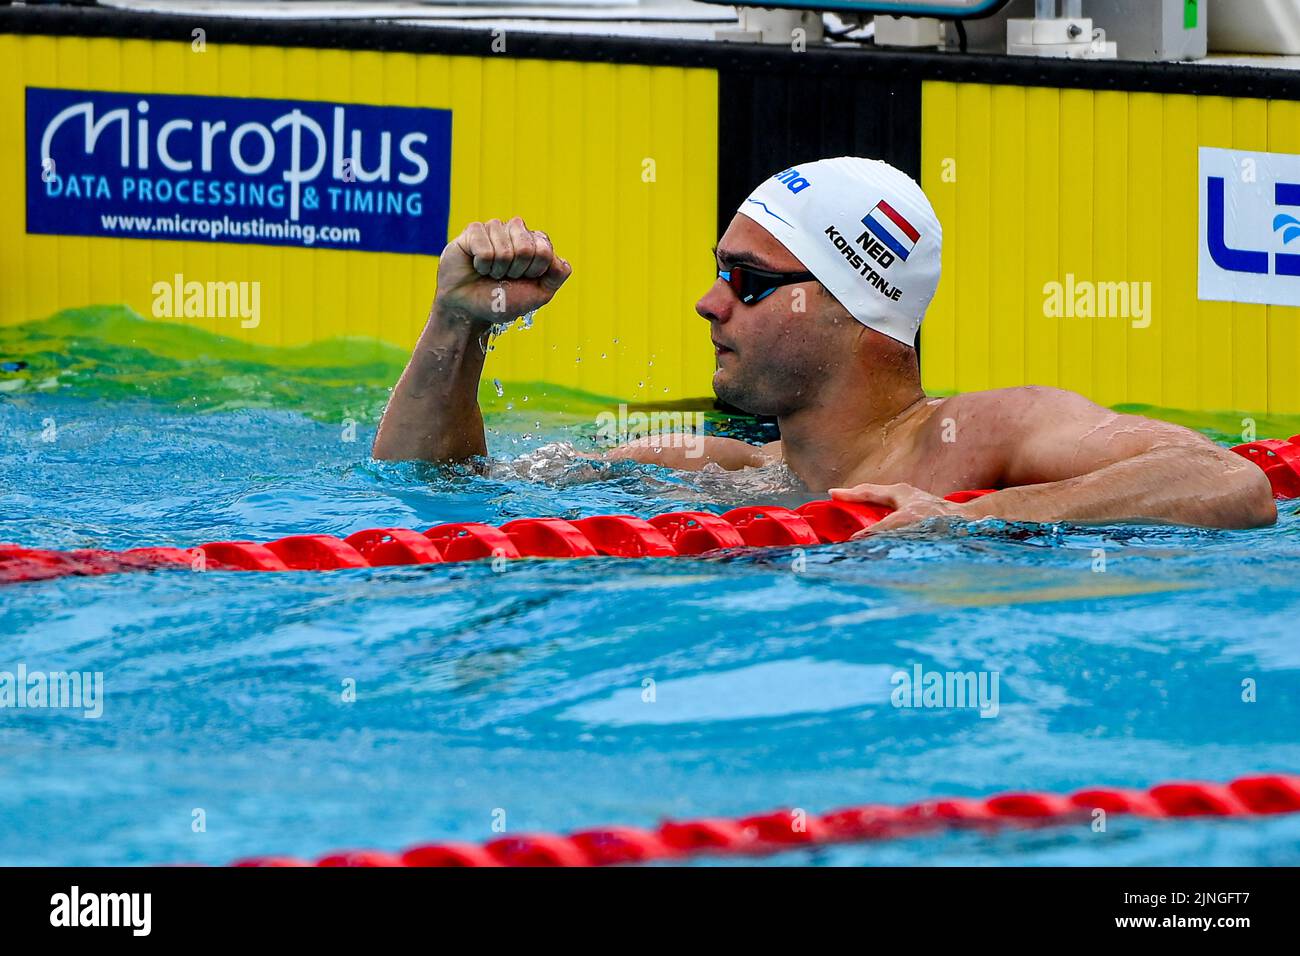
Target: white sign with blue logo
(238, 169)
(1250, 227)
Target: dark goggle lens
(750, 286)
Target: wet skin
(854, 419)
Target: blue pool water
(522, 691)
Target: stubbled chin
(723, 387)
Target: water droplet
(602, 355)
(496, 383)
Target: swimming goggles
(753, 285)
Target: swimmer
(824, 275)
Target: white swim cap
(864, 229)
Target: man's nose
(716, 304)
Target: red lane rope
(1253, 796)
(666, 535)
(675, 534)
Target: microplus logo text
(234, 169)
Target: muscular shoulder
(969, 415)
(1017, 399)
(987, 430)
(1026, 409)
(998, 415)
(1036, 433)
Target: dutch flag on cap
(899, 235)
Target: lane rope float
(680, 533)
(1252, 796)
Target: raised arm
(492, 272)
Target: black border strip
(837, 61)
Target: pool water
(556, 695)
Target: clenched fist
(494, 271)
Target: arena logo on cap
(889, 226)
(793, 181)
(1249, 227)
(237, 169)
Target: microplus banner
(238, 169)
(1249, 226)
